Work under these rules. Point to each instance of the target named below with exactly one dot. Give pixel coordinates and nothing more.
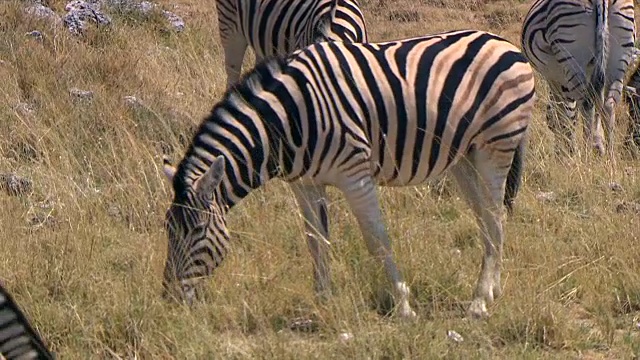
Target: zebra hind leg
(610, 120)
(562, 125)
(592, 124)
(633, 108)
(235, 48)
(481, 177)
(312, 202)
(362, 198)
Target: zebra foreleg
(362, 198)
(312, 202)
(610, 122)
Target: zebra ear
(208, 182)
(169, 170)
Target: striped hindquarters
(18, 339)
(623, 30)
(566, 41)
(346, 22)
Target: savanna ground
(89, 274)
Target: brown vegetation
(90, 278)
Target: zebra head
(196, 229)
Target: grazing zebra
(582, 48)
(278, 27)
(18, 340)
(352, 116)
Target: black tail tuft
(597, 80)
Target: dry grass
(89, 277)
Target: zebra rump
(582, 48)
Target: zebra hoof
(478, 309)
(598, 149)
(407, 315)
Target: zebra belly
(405, 177)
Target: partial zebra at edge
(632, 99)
(18, 339)
(566, 43)
(277, 28)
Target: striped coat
(583, 49)
(354, 116)
(18, 339)
(278, 27)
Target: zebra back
(382, 87)
(18, 339)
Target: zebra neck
(251, 128)
(236, 184)
(247, 165)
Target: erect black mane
(244, 88)
(246, 83)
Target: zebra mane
(248, 82)
(243, 89)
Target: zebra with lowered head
(582, 48)
(278, 27)
(352, 116)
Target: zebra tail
(514, 177)
(601, 46)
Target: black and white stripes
(278, 27)
(18, 339)
(353, 116)
(583, 49)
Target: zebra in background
(583, 49)
(278, 27)
(18, 339)
(352, 116)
